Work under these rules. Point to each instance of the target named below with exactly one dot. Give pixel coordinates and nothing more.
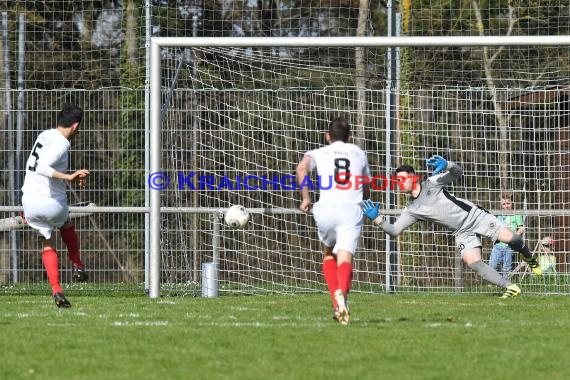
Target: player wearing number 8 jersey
(44, 196)
(337, 212)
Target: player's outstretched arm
(404, 221)
(79, 174)
(454, 171)
(439, 164)
(372, 211)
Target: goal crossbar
(360, 41)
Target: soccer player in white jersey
(45, 199)
(342, 169)
(430, 201)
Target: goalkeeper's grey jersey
(435, 204)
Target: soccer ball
(237, 216)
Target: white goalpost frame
(155, 88)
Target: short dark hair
(405, 168)
(339, 129)
(69, 115)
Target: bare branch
(491, 88)
(512, 22)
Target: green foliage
(130, 179)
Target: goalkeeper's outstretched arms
(439, 164)
(372, 212)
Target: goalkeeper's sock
(49, 258)
(330, 274)
(69, 236)
(484, 270)
(517, 244)
(344, 277)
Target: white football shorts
(339, 225)
(44, 214)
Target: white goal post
(156, 87)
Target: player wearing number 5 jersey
(45, 200)
(337, 213)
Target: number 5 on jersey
(35, 156)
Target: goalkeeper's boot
(534, 266)
(511, 291)
(79, 274)
(343, 314)
(61, 301)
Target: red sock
(344, 277)
(49, 258)
(330, 273)
(69, 236)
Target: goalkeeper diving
(431, 202)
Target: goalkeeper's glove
(438, 164)
(372, 211)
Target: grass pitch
(397, 336)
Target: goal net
(235, 121)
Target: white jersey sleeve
(49, 154)
(342, 170)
